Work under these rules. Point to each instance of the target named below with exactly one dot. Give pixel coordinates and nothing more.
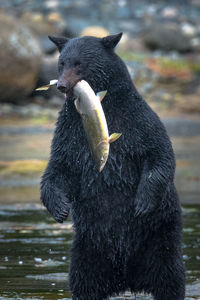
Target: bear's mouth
(67, 81)
(69, 93)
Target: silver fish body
(94, 123)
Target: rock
(146, 87)
(195, 42)
(188, 29)
(48, 71)
(95, 31)
(195, 3)
(42, 26)
(167, 37)
(189, 103)
(47, 46)
(20, 57)
(131, 44)
(55, 17)
(75, 26)
(169, 12)
(122, 10)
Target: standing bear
(127, 218)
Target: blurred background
(161, 47)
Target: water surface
(35, 253)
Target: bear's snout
(68, 80)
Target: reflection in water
(191, 242)
(34, 253)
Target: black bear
(127, 219)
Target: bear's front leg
(156, 176)
(54, 192)
(60, 182)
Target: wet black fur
(127, 218)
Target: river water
(35, 253)
(35, 250)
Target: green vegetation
(165, 66)
(138, 57)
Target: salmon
(89, 107)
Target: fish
(46, 87)
(88, 105)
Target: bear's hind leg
(164, 293)
(169, 281)
(87, 285)
(90, 274)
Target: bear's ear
(111, 41)
(59, 41)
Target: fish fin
(43, 88)
(101, 95)
(76, 103)
(46, 87)
(113, 137)
(53, 82)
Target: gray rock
(48, 71)
(188, 29)
(20, 59)
(75, 25)
(46, 45)
(167, 37)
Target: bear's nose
(61, 87)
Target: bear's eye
(77, 63)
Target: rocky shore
(161, 46)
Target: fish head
(86, 58)
(84, 89)
(101, 155)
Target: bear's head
(89, 58)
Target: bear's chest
(121, 172)
(125, 155)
